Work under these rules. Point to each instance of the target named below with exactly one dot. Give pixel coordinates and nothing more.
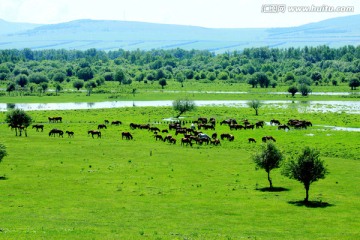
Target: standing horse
(251, 140)
(101, 126)
(94, 132)
(127, 135)
(268, 138)
(70, 133)
(55, 131)
(38, 126)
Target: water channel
(349, 107)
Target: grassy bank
(139, 91)
(109, 188)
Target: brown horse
(38, 126)
(55, 119)
(55, 131)
(259, 124)
(284, 126)
(251, 140)
(158, 137)
(94, 132)
(268, 138)
(215, 142)
(186, 141)
(116, 123)
(127, 135)
(228, 136)
(70, 133)
(101, 126)
(274, 122)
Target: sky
(203, 13)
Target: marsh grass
(109, 188)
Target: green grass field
(109, 188)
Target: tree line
(299, 68)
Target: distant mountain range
(111, 35)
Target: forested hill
(110, 35)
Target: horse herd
(190, 135)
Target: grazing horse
(101, 126)
(202, 120)
(228, 121)
(228, 136)
(284, 126)
(55, 119)
(127, 135)
(236, 126)
(164, 131)
(172, 140)
(186, 141)
(274, 122)
(215, 142)
(158, 137)
(259, 124)
(249, 126)
(106, 121)
(70, 133)
(214, 136)
(153, 129)
(268, 138)
(134, 125)
(55, 131)
(116, 123)
(94, 132)
(38, 126)
(251, 140)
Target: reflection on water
(352, 107)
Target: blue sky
(204, 13)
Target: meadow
(112, 188)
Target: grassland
(109, 188)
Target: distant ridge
(110, 34)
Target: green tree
(38, 78)
(162, 82)
(85, 73)
(44, 86)
(268, 159)
(21, 80)
(59, 77)
(307, 168)
(262, 79)
(183, 105)
(293, 90)
(180, 77)
(3, 152)
(90, 86)
(58, 88)
(305, 90)
(18, 119)
(354, 83)
(78, 84)
(10, 87)
(120, 76)
(255, 104)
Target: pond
(350, 107)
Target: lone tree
(3, 152)
(19, 120)
(293, 90)
(255, 104)
(162, 82)
(308, 168)
(183, 105)
(268, 159)
(354, 83)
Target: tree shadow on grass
(3, 178)
(273, 189)
(311, 204)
